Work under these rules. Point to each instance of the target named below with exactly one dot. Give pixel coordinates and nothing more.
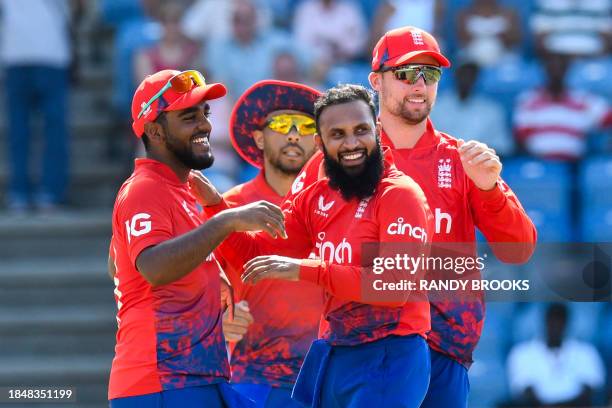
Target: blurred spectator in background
(206, 19)
(136, 28)
(36, 50)
(334, 31)
(173, 51)
(574, 27)
(390, 14)
(556, 371)
(488, 31)
(287, 67)
(553, 122)
(246, 56)
(470, 115)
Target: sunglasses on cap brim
(181, 83)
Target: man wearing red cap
(170, 348)
(272, 127)
(462, 183)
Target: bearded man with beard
(373, 351)
(170, 348)
(272, 127)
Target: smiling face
(353, 158)
(410, 102)
(348, 134)
(186, 136)
(285, 153)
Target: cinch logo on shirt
(137, 227)
(324, 207)
(332, 253)
(399, 228)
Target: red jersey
(458, 206)
(319, 217)
(169, 336)
(277, 341)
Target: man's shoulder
(397, 183)
(239, 194)
(143, 186)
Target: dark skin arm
(111, 267)
(172, 259)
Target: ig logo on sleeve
(137, 226)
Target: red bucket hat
(249, 113)
(170, 100)
(398, 46)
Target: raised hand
(481, 163)
(271, 267)
(203, 190)
(257, 216)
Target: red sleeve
(352, 283)
(239, 248)
(498, 214)
(144, 217)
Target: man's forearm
(172, 259)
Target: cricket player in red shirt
(272, 127)
(373, 352)
(170, 349)
(464, 190)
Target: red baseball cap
(170, 100)
(400, 45)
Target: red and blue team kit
(170, 336)
(285, 314)
(458, 207)
(318, 217)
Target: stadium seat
(591, 75)
(596, 206)
(504, 82)
(596, 178)
(596, 225)
(544, 189)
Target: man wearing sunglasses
(170, 349)
(462, 183)
(272, 128)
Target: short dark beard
(360, 185)
(276, 162)
(410, 117)
(185, 155)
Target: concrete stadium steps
(57, 319)
(90, 186)
(87, 374)
(63, 235)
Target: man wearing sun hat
(272, 128)
(170, 348)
